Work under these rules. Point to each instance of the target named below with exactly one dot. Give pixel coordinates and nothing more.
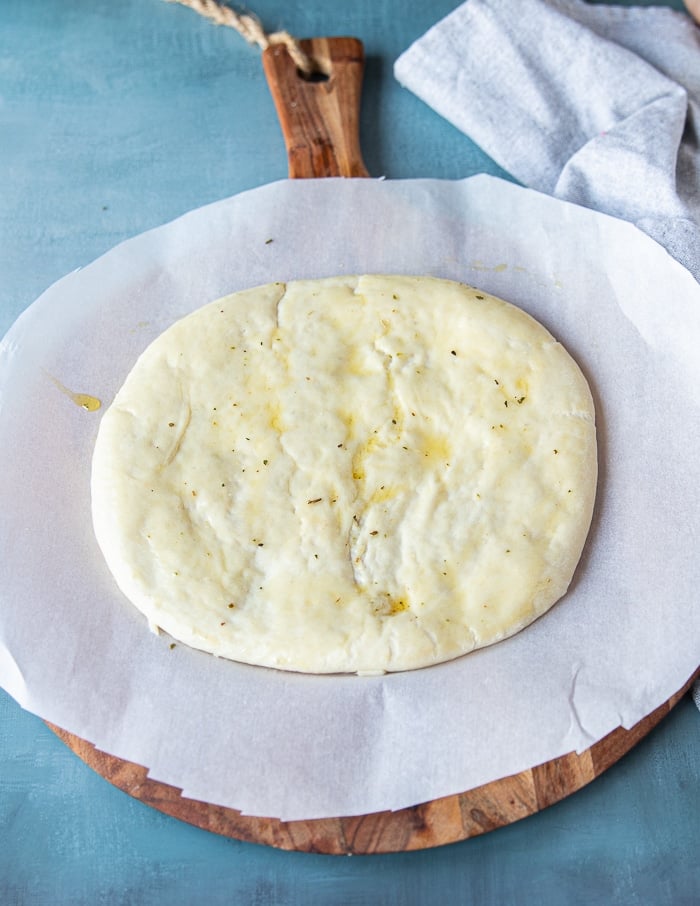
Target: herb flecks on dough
(337, 471)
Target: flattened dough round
(352, 474)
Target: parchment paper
(625, 638)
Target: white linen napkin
(595, 104)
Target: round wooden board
(320, 121)
(435, 823)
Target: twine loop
(249, 27)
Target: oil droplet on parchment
(550, 280)
(496, 268)
(84, 400)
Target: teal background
(116, 117)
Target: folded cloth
(595, 104)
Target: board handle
(319, 114)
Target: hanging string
(248, 26)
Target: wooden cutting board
(435, 823)
(320, 123)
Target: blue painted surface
(116, 117)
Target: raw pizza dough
(352, 474)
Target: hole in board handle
(316, 75)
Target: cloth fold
(595, 104)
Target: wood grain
(320, 119)
(442, 821)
